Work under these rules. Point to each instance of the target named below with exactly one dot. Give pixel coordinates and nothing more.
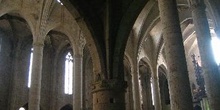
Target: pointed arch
(94, 48)
(17, 41)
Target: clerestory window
(68, 74)
(30, 68)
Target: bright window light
(22, 108)
(59, 2)
(215, 47)
(68, 74)
(30, 69)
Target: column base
(109, 95)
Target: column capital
(40, 44)
(196, 4)
(112, 84)
(38, 41)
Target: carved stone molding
(82, 40)
(113, 84)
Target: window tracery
(68, 74)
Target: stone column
(77, 82)
(209, 66)
(78, 74)
(109, 95)
(135, 89)
(156, 90)
(35, 89)
(178, 80)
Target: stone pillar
(135, 89)
(109, 95)
(209, 66)
(35, 89)
(178, 80)
(78, 74)
(77, 82)
(156, 89)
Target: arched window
(30, 68)
(68, 74)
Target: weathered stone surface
(209, 66)
(178, 79)
(131, 23)
(109, 95)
